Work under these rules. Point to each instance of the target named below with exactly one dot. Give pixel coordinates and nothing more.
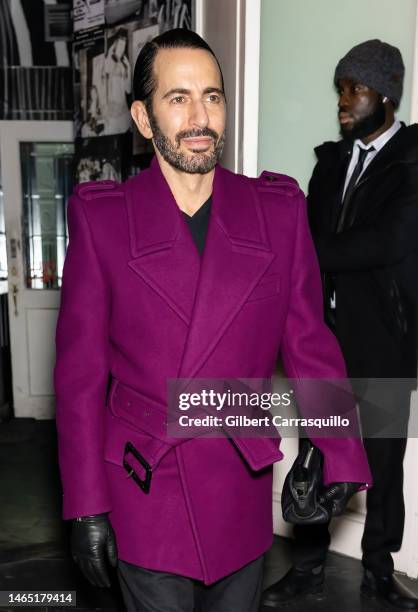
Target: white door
(35, 160)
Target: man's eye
(178, 100)
(214, 98)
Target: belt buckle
(144, 484)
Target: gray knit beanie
(376, 64)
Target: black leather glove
(305, 500)
(92, 540)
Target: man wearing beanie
(363, 209)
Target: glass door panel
(47, 180)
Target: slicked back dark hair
(144, 82)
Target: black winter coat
(373, 262)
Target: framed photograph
(57, 22)
(117, 11)
(175, 14)
(90, 120)
(116, 79)
(99, 159)
(140, 37)
(87, 14)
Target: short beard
(366, 126)
(199, 163)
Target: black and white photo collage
(108, 36)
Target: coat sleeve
(81, 371)
(384, 242)
(310, 352)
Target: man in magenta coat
(186, 270)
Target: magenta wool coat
(139, 302)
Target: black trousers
(150, 591)
(385, 516)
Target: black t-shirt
(198, 224)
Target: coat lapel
(208, 293)
(335, 158)
(341, 174)
(384, 159)
(163, 252)
(236, 255)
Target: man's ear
(140, 117)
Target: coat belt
(145, 415)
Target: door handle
(15, 290)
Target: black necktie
(351, 186)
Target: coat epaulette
(280, 183)
(97, 189)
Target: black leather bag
(302, 499)
(305, 499)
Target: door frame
(247, 56)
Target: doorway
(36, 162)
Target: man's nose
(199, 115)
(343, 101)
